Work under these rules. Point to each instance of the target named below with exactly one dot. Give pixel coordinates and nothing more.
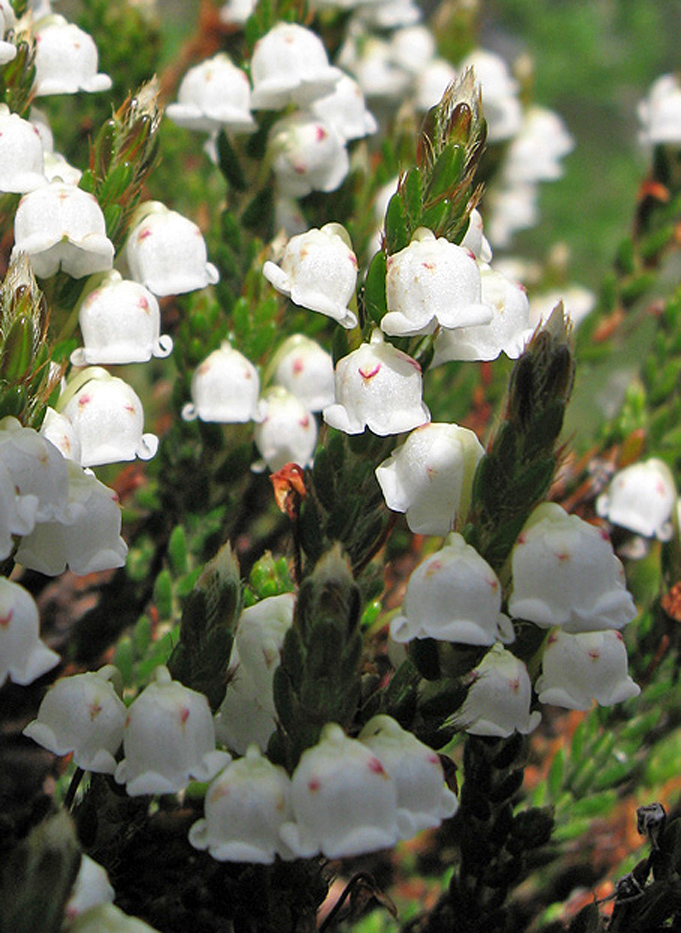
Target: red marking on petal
(369, 374)
(376, 766)
(5, 620)
(184, 715)
(320, 134)
(84, 400)
(144, 233)
(298, 367)
(313, 785)
(94, 710)
(304, 422)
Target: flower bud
(498, 701)
(641, 498)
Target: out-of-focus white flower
(498, 701)
(377, 387)
(286, 433)
(58, 169)
(475, 240)
(389, 14)
(213, 95)
(23, 656)
(21, 154)
(578, 669)
(511, 208)
(507, 332)
(430, 476)
(106, 918)
(344, 801)
(577, 301)
(660, 112)
(168, 738)
(259, 639)
(236, 12)
(108, 418)
(641, 498)
(307, 154)
(566, 574)
(82, 714)
(8, 50)
(245, 807)
(535, 153)
(306, 370)
(89, 543)
(166, 252)
(318, 270)
(62, 227)
(225, 388)
(288, 216)
(454, 595)
(90, 889)
(65, 59)
(370, 59)
(413, 48)
(431, 83)
(121, 323)
(290, 64)
(500, 104)
(423, 799)
(345, 109)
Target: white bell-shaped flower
(565, 573)
(58, 169)
(87, 544)
(498, 701)
(511, 208)
(287, 432)
(225, 388)
(8, 50)
(236, 12)
(58, 430)
(578, 669)
(243, 719)
(475, 239)
(259, 639)
(21, 154)
(507, 332)
(121, 323)
(82, 714)
(245, 807)
(166, 252)
(60, 226)
(641, 498)
(370, 59)
(318, 271)
(430, 476)
(660, 112)
(290, 64)
(345, 109)
(65, 59)
(423, 799)
(306, 370)
(413, 47)
(454, 595)
(168, 738)
(213, 95)
(108, 419)
(23, 656)
(90, 889)
(578, 302)
(389, 14)
(500, 104)
(535, 153)
(377, 387)
(17, 513)
(306, 154)
(431, 282)
(431, 83)
(344, 801)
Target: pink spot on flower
(299, 168)
(298, 366)
(84, 400)
(313, 785)
(304, 422)
(130, 408)
(521, 539)
(376, 766)
(552, 639)
(184, 715)
(563, 556)
(433, 760)
(5, 620)
(144, 233)
(94, 709)
(429, 264)
(320, 134)
(605, 535)
(514, 684)
(370, 373)
(143, 304)
(594, 654)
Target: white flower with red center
(224, 388)
(318, 271)
(60, 226)
(65, 59)
(578, 669)
(306, 154)
(377, 387)
(430, 476)
(168, 739)
(121, 323)
(306, 370)
(245, 807)
(641, 498)
(432, 282)
(82, 714)
(498, 700)
(454, 595)
(287, 432)
(660, 112)
(21, 154)
(213, 95)
(566, 574)
(423, 799)
(344, 801)
(23, 656)
(166, 252)
(290, 65)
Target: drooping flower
(286, 433)
(90, 889)
(306, 370)
(244, 718)
(566, 574)
(431, 282)
(377, 387)
(213, 95)
(66, 59)
(21, 154)
(578, 669)
(23, 656)
(534, 154)
(370, 59)
(430, 476)
(82, 714)
(60, 226)
(307, 154)
(318, 271)
(641, 498)
(168, 738)
(660, 112)
(454, 595)
(498, 701)
(345, 109)
(245, 807)
(225, 388)
(423, 799)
